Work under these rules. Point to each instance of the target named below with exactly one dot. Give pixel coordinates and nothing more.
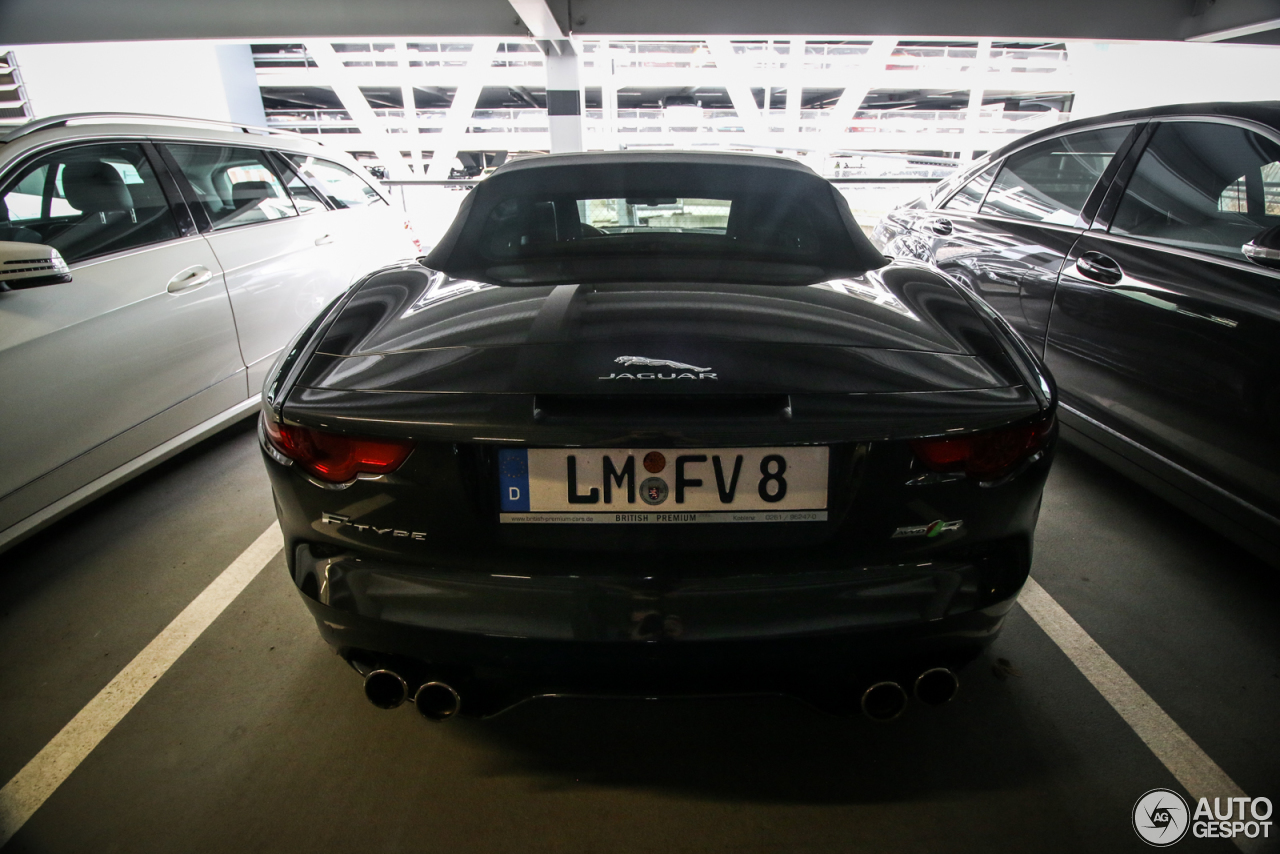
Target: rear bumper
(818, 636)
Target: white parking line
(33, 785)
(1191, 766)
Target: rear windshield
(749, 226)
(569, 223)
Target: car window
(343, 187)
(1235, 197)
(969, 199)
(87, 201)
(235, 186)
(1206, 186)
(304, 198)
(1051, 181)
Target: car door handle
(941, 226)
(1099, 268)
(324, 240)
(192, 277)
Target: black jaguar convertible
(657, 424)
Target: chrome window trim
(1247, 124)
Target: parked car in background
(193, 251)
(1139, 252)
(648, 423)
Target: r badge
(933, 529)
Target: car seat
(96, 189)
(16, 233)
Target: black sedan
(1139, 254)
(657, 424)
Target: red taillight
(334, 457)
(984, 456)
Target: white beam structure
(873, 70)
(794, 80)
(568, 68)
(354, 102)
(977, 91)
(735, 76)
(450, 141)
(537, 16)
(1239, 32)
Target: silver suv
(150, 271)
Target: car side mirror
(1264, 249)
(30, 265)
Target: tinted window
(1050, 182)
(304, 198)
(625, 216)
(87, 201)
(565, 227)
(235, 186)
(969, 199)
(343, 187)
(1202, 185)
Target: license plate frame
(638, 486)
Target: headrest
(92, 186)
(246, 190)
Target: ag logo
(1160, 818)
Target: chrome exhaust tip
(936, 686)
(437, 701)
(386, 689)
(884, 701)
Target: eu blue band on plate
(513, 479)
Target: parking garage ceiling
(43, 21)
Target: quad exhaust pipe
(386, 689)
(439, 701)
(885, 701)
(936, 686)
(435, 701)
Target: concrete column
(564, 96)
(608, 96)
(793, 79)
(217, 81)
(977, 89)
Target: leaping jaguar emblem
(658, 363)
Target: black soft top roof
(774, 192)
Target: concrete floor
(259, 739)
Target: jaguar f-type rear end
(650, 425)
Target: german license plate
(637, 486)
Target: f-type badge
(679, 370)
(933, 529)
